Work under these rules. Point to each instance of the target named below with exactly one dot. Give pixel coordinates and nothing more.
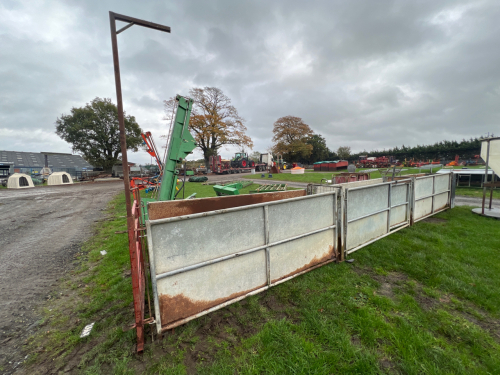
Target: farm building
(32, 163)
(60, 178)
(117, 170)
(20, 181)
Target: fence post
(268, 250)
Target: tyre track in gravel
(41, 231)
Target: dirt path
(475, 202)
(41, 231)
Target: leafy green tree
(290, 135)
(319, 151)
(255, 156)
(214, 121)
(443, 150)
(343, 152)
(94, 132)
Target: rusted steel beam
(125, 28)
(485, 176)
(493, 184)
(136, 260)
(231, 301)
(139, 22)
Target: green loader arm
(181, 145)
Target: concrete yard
(41, 231)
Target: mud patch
(490, 325)
(425, 302)
(230, 325)
(387, 366)
(435, 220)
(387, 282)
(386, 290)
(355, 341)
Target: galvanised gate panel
(374, 211)
(202, 262)
(432, 194)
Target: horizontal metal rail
(403, 225)
(368, 215)
(369, 186)
(240, 208)
(254, 292)
(238, 254)
(400, 204)
(380, 184)
(432, 195)
(376, 212)
(432, 213)
(398, 225)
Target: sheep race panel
(374, 211)
(432, 194)
(205, 261)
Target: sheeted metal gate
(202, 262)
(374, 211)
(432, 194)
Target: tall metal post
(485, 175)
(136, 261)
(121, 119)
(493, 179)
(113, 17)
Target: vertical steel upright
(135, 256)
(486, 176)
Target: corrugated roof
(37, 160)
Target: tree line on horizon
(465, 149)
(93, 131)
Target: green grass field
(315, 177)
(421, 301)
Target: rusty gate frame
(390, 228)
(133, 212)
(265, 247)
(450, 190)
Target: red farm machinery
(375, 162)
(238, 164)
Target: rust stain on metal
(326, 257)
(163, 210)
(179, 307)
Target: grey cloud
(369, 74)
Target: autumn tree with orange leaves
(214, 122)
(290, 138)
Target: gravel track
(41, 231)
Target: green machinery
(234, 188)
(269, 188)
(231, 189)
(241, 160)
(181, 144)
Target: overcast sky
(366, 74)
